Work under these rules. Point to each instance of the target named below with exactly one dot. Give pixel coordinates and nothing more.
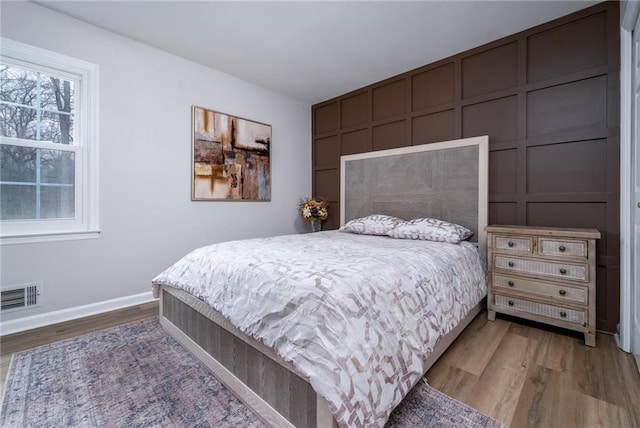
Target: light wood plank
(477, 345)
(541, 390)
(599, 413)
(590, 375)
(559, 232)
(555, 351)
(445, 342)
(5, 363)
(549, 400)
(17, 342)
(563, 382)
(452, 381)
(499, 386)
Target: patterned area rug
(136, 375)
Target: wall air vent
(18, 297)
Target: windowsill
(48, 237)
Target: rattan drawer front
(554, 247)
(509, 243)
(539, 267)
(549, 311)
(544, 289)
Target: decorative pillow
(375, 224)
(431, 229)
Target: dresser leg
(492, 316)
(590, 340)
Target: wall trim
(55, 317)
(623, 335)
(629, 14)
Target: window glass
(18, 202)
(36, 106)
(56, 127)
(18, 86)
(17, 164)
(56, 202)
(18, 122)
(57, 167)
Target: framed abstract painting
(230, 157)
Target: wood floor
(519, 374)
(526, 376)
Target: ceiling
(315, 50)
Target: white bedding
(356, 314)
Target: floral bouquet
(313, 209)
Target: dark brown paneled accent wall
(547, 97)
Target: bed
(298, 362)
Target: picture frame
(230, 157)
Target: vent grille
(18, 297)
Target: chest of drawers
(546, 275)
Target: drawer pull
(563, 271)
(510, 302)
(562, 248)
(510, 243)
(510, 283)
(563, 314)
(562, 292)
(511, 264)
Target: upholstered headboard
(446, 180)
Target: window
(48, 145)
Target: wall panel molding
(547, 97)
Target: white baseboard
(41, 320)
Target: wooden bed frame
(273, 388)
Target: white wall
(147, 218)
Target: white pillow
(430, 229)
(375, 224)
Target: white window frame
(85, 223)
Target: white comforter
(356, 314)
